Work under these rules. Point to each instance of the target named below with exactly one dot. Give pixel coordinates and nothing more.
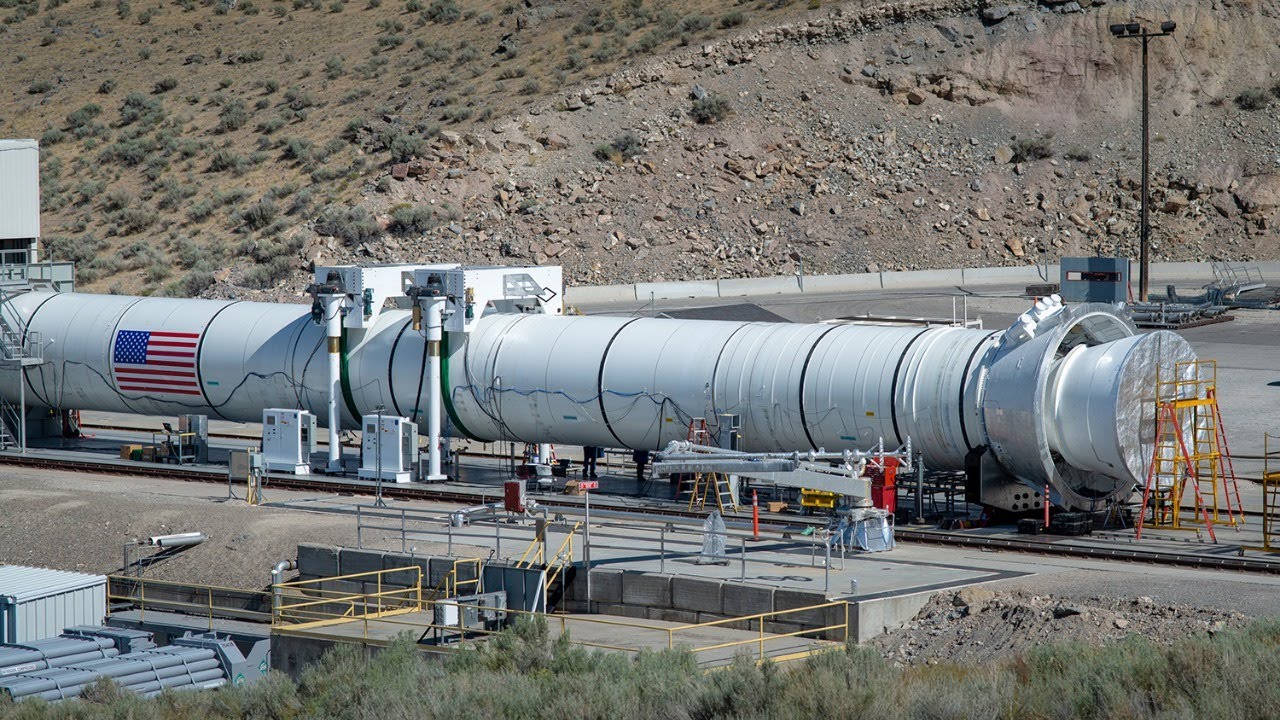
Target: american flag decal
(156, 362)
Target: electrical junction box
(388, 448)
(288, 439)
(1095, 279)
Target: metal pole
(497, 537)
(359, 528)
(826, 567)
(333, 330)
(435, 333)
(402, 545)
(743, 575)
(1144, 250)
(377, 459)
(662, 550)
(920, 488)
(22, 408)
(586, 544)
(449, 527)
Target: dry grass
(199, 109)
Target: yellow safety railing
(211, 601)
(418, 616)
(307, 604)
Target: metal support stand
(378, 501)
(435, 334)
(333, 333)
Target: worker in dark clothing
(589, 456)
(641, 458)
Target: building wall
(19, 190)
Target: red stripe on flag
(167, 363)
(152, 371)
(173, 343)
(155, 333)
(170, 353)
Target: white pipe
(176, 540)
(435, 333)
(333, 332)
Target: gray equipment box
(1095, 279)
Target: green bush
(412, 219)
(732, 19)
(351, 224)
(622, 148)
(1253, 98)
(228, 160)
(233, 116)
(403, 146)
(443, 11)
(39, 87)
(710, 109)
(1028, 149)
(258, 215)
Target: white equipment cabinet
(390, 450)
(288, 439)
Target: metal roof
(19, 583)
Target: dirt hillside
(738, 139)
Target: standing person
(641, 458)
(589, 456)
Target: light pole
(1135, 31)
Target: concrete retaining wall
(813, 284)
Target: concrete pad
(646, 589)
(695, 594)
(777, 285)
(353, 560)
(738, 600)
(606, 586)
(587, 294)
(675, 290)
(317, 560)
(841, 283)
(922, 278)
(1172, 271)
(1028, 274)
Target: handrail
(208, 608)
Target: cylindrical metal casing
(1058, 399)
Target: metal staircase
(19, 350)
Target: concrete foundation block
(587, 294)
(738, 600)
(646, 589)
(352, 561)
(405, 578)
(317, 560)
(684, 617)
(841, 283)
(620, 610)
(677, 290)
(695, 594)
(777, 285)
(606, 586)
(784, 599)
(871, 618)
(922, 278)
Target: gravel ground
(977, 624)
(80, 522)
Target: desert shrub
(1028, 149)
(138, 108)
(83, 116)
(193, 283)
(412, 219)
(133, 220)
(623, 147)
(296, 99)
(106, 87)
(257, 215)
(232, 116)
(117, 200)
(351, 224)
(402, 145)
(711, 108)
(443, 11)
(1253, 98)
(52, 136)
(228, 160)
(695, 23)
(39, 87)
(530, 87)
(164, 85)
(1078, 154)
(732, 19)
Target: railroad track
(1236, 563)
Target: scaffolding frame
(1270, 492)
(1190, 448)
(706, 485)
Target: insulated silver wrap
(1064, 397)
